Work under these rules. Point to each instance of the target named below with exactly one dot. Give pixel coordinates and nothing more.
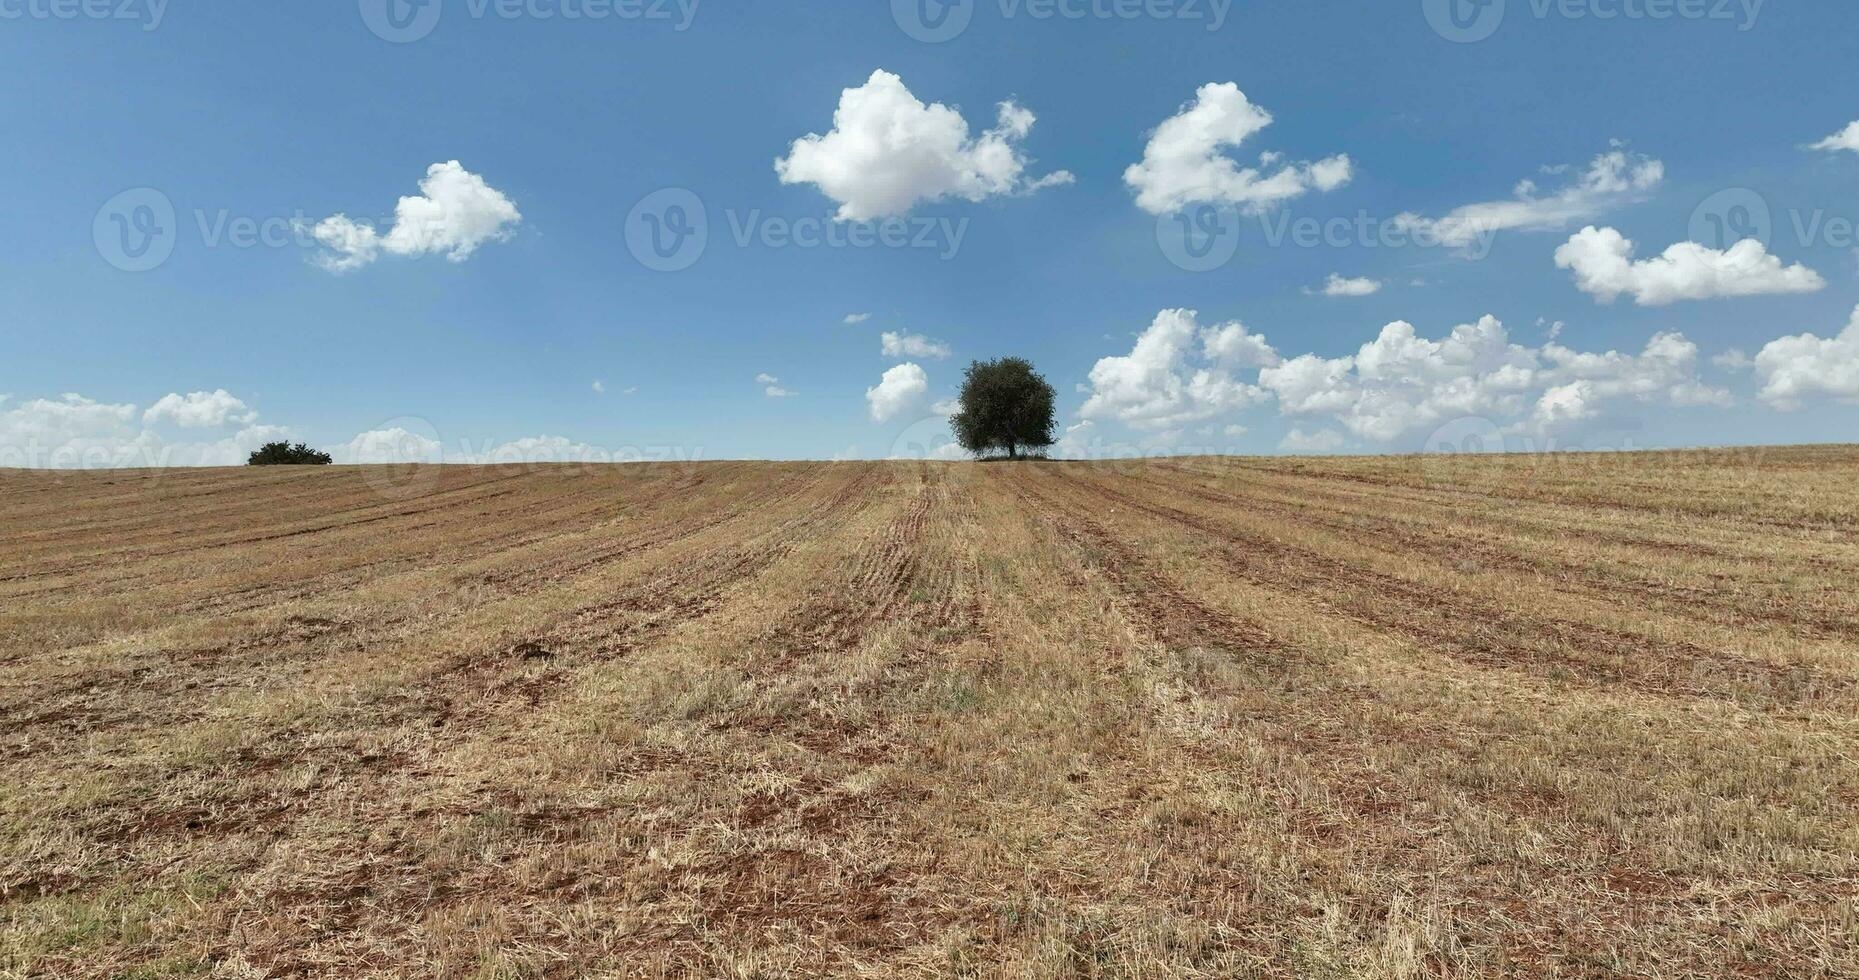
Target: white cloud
(854, 319)
(1396, 386)
(1155, 386)
(1312, 443)
(600, 387)
(771, 386)
(887, 152)
(455, 214)
(542, 449)
(1400, 381)
(1073, 443)
(1583, 385)
(914, 345)
(1794, 369)
(1231, 345)
(1338, 286)
(1846, 139)
(1733, 360)
(1612, 179)
(1184, 162)
(75, 432)
(948, 452)
(1602, 260)
(200, 410)
(397, 445)
(901, 388)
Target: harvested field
(1549, 716)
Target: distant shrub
(285, 454)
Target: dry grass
(1570, 716)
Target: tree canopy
(1006, 407)
(285, 454)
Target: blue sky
(1667, 122)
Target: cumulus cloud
(1846, 139)
(1733, 360)
(1165, 381)
(1795, 369)
(1612, 179)
(75, 432)
(888, 152)
(901, 389)
(1401, 381)
(396, 445)
(1397, 385)
(542, 449)
(399, 446)
(1337, 286)
(854, 319)
(1185, 162)
(200, 410)
(1315, 443)
(1231, 345)
(1602, 260)
(455, 214)
(771, 386)
(600, 387)
(914, 345)
(1583, 385)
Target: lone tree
(285, 454)
(1006, 406)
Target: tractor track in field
(1583, 578)
(913, 718)
(780, 884)
(423, 505)
(1719, 517)
(1557, 518)
(1155, 603)
(1483, 632)
(200, 669)
(464, 695)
